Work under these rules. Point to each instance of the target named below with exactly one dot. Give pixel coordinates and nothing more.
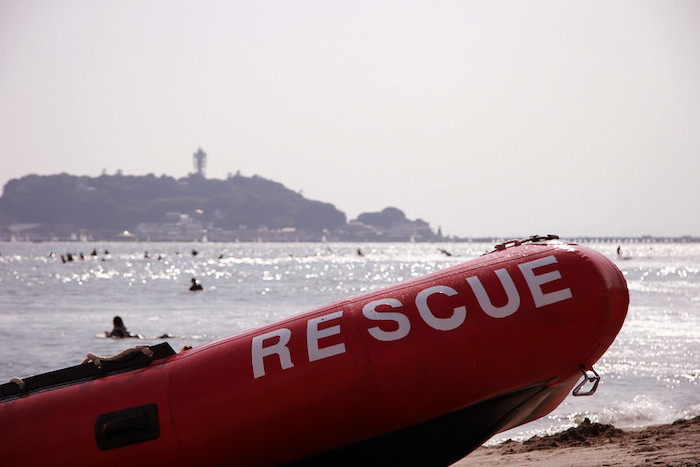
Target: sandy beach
(595, 444)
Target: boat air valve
(595, 379)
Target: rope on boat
(17, 381)
(97, 359)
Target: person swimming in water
(119, 329)
(195, 285)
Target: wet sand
(595, 444)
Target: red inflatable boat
(420, 373)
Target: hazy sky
(481, 117)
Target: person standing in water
(195, 285)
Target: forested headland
(235, 208)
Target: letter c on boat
(441, 324)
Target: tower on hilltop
(200, 161)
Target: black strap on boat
(532, 238)
(89, 370)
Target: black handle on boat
(120, 426)
(129, 426)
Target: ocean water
(53, 313)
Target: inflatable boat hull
(424, 371)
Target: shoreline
(595, 444)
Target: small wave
(642, 410)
